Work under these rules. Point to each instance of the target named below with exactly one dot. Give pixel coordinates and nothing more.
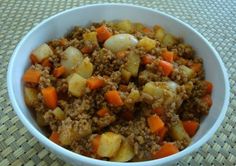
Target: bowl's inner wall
(62, 23)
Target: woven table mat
(215, 19)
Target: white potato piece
(124, 25)
(76, 85)
(152, 89)
(159, 33)
(109, 144)
(85, 69)
(42, 52)
(178, 133)
(147, 43)
(67, 135)
(188, 72)
(31, 96)
(133, 62)
(72, 58)
(126, 75)
(58, 113)
(125, 153)
(40, 119)
(91, 37)
(168, 40)
(120, 42)
(134, 95)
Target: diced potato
(120, 42)
(159, 33)
(109, 144)
(125, 153)
(134, 95)
(85, 69)
(126, 75)
(178, 133)
(58, 113)
(168, 40)
(138, 27)
(153, 90)
(76, 85)
(147, 43)
(72, 58)
(31, 96)
(188, 72)
(42, 52)
(124, 25)
(133, 62)
(40, 119)
(67, 135)
(91, 37)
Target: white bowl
(59, 24)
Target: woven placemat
(214, 19)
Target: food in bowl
(118, 91)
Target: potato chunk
(168, 40)
(125, 153)
(178, 133)
(159, 33)
(147, 43)
(133, 62)
(42, 52)
(109, 144)
(126, 75)
(58, 113)
(153, 90)
(85, 69)
(72, 58)
(31, 96)
(186, 71)
(124, 25)
(76, 85)
(91, 37)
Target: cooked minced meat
(118, 91)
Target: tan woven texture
(216, 20)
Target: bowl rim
(69, 154)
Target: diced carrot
(123, 88)
(162, 133)
(127, 115)
(155, 123)
(147, 30)
(168, 56)
(86, 50)
(95, 143)
(54, 137)
(121, 54)
(95, 83)
(147, 59)
(46, 63)
(113, 97)
(166, 67)
(32, 76)
(59, 71)
(166, 150)
(33, 59)
(159, 111)
(103, 33)
(50, 97)
(190, 127)
(196, 67)
(209, 87)
(102, 112)
(207, 99)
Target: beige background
(215, 19)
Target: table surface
(215, 20)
